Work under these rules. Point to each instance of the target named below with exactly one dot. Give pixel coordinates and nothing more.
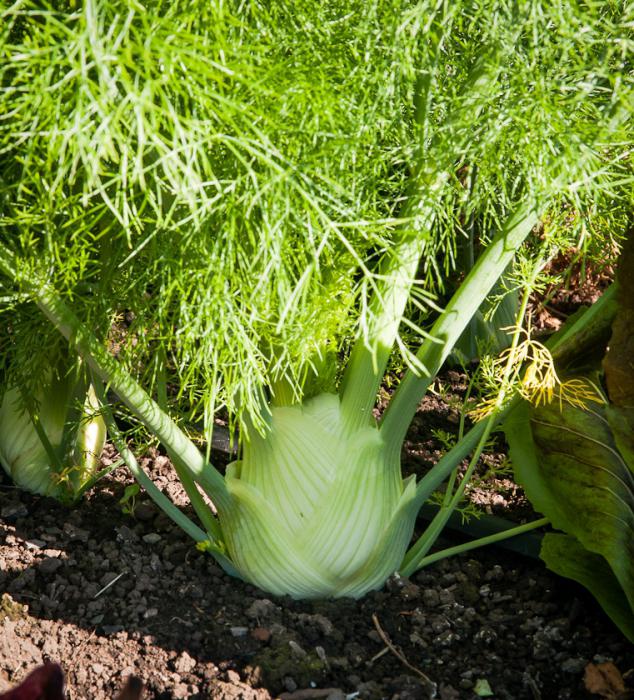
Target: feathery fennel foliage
(253, 185)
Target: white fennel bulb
(61, 468)
(314, 511)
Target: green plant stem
(445, 466)
(599, 315)
(203, 511)
(214, 546)
(482, 542)
(587, 329)
(184, 453)
(451, 323)
(161, 500)
(189, 484)
(95, 478)
(190, 465)
(129, 391)
(416, 554)
(454, 474)
(281, 393)
(370, 355)
(53, 454)
(371, 352)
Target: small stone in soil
(13, 511)
(184, 663)
(262, 609)
(296, 650)
(49, 565)
(152, 538)
(124, 534)
(144, 512)
(289, 684)
(336, 694)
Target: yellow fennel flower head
(529, 370)
(316, 512)
(541, 383)
(540, 379)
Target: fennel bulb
(315, 510)
(63, 466)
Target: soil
(109, 594)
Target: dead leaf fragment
(604, 679)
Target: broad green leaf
(569, 464)
(565, 556)
(622, 424)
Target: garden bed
(107, 594)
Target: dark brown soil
(108, 594)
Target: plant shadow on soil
(108, 594)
